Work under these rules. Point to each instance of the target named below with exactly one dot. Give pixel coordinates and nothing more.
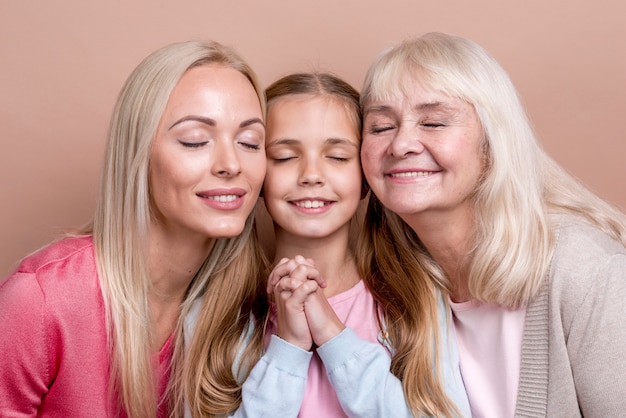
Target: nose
(311, 173)
(406, 142)
(226, 160)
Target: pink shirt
(55, 361)
(489, 338)
(356, 309)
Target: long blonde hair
(522, 186)
(121, 225)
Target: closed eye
(282, 159)
(338, 158)
(380, 129)
(193, 144)
(254, 147)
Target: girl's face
(313, 183)
(422, 154)
(207, 160)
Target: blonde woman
(91, 325)
(534, 264)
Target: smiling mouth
(311, 204)
(412, 174)
(221, 198)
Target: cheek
(368, 162)
(255, 169)
(356, 177)
(278, 179)
(159, 177)
(172, 176)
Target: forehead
(310, 112)
(395, 81)
(213, 89)
(416, 98)
(335, 103)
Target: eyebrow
(211, 122)
(419, 107)
(328, 141)
(377, 108)
(435, 106)
(341, 141)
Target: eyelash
(201, 144)
(254, 147)
(193, 144)
(283, 159)
(380, 129)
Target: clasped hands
(305, 317)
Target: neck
(447, 240)
(332, 256)
(173, 264)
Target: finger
(307, 272)
(298, 267)
(287, 283)
(305, 289)
(303, 260)
(282, 269)
(323, 322)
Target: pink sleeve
(24, 344)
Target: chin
(227, 232)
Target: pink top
(356, 309)
(55, 361)
(490, 348)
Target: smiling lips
(311, 203)
(411, 174)
(223, 199)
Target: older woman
(534, 263)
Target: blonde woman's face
(207, 160)
(421, 155)
(313, 183)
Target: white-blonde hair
(521, 185)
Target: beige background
(64, 61)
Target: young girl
(326, 354)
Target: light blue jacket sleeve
(360, 373)
(276, 384)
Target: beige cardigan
(574, 347)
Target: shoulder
(60, 273)
(586, 262)
(581, 247)
(576, 234)
(58, 253)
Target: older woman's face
(421, 154)
(207, 161)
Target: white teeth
(310, 204)
(223, 198)
(413, 174)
